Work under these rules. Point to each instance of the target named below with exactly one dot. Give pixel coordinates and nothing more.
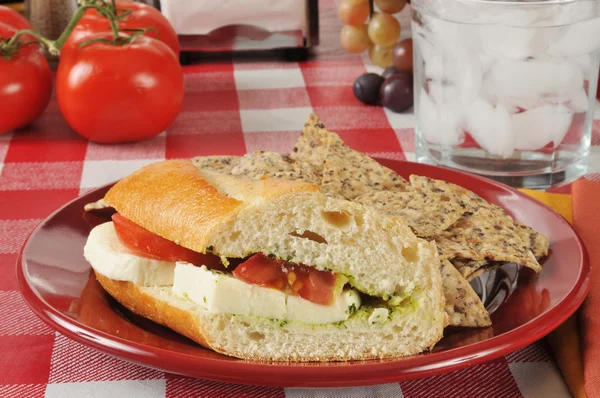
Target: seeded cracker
(463, 305)
(311, 148)
(490, 238)
(488, 268)
(467, 267)
(538, 243)
(263, 163)
(535, 241)
(453, 249)
(351, 174)
(299, 174)
(221, 164)
(427, 213)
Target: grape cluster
(378, 36)
(394, 88)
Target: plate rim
(297, 374)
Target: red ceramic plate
(56, 282)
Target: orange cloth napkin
(586, 217)
(565, 341)
(576, 350)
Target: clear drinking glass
(506, 89)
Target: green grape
(382, 56)
(353, 12)
(384, 29)
(355, 39)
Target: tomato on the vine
(25, 82)
(12, 18)
(120, 92)
(131, 15)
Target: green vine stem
(56, 45)
(13, 43)
(109, 10)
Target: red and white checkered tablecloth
(231, 107)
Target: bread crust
(177, 201)
(189, 324)
(130, 295)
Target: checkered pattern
(231, 107)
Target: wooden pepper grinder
(50, 17)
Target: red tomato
(142, 16)
(12, 18)
(147, 244)
(294, 279)
(118, 93)
(25, 85)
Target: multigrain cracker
(535, 241)
(221, 164)
(311, 148)
(298, 174)
(351, 174)
(263, 163)
(538, 243)
(466, 267)
(427, 212)
(452, 249)
(463, 305)
(488, 236)
(472, 202)
(487, 268)
(458, 193)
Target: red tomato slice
(293, 279)
(147, 244)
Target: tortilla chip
(351, 174)
(463, 305)
(483, 270)
(468, 199)
(221, 164)
(452, 249)
(466, 267)
(311, 148)
(427, 213)
(489, 236)
(263, 163)
(298, 175)
(538, 243)
(533, 240)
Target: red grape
(403, 56)
(390, 6)
(366, 88)
(389, 72)
(396, 92)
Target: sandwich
(268, 268)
